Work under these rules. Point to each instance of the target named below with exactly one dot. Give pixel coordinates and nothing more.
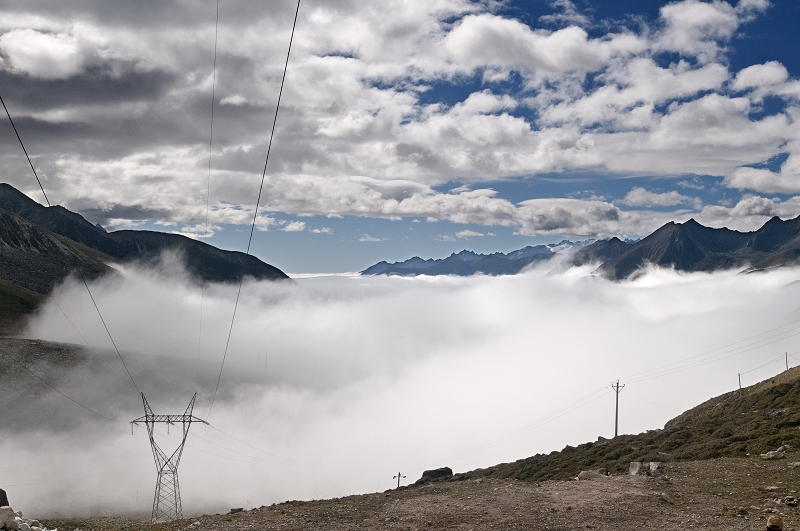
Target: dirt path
(731, 494)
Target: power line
(686, 364)
(25, 150)
(644, 374)
(254, 447)
(258, 201)
(208, 184)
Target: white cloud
(294, 226)
(467, 234)
(236, 100)
(784, 181)
(638, 196)
(44, 55)
(355, 137)
(749, 213)
(569, 14)
(368, 238)
(767, 74)
(698, 28)
(322, 230)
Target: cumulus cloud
(321, 372)
(294, 226)
(639, 196)
(368, 238)
(467, 234)
(786, 180)
(363, 131)
(43, 55)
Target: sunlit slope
(757, 419)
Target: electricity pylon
(167, 501)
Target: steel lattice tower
(167, 500)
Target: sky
(415, 127)
(334, 384)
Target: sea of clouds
(334, 384)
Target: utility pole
(167, 501)
(398, 477)
(740, 382)
(616, 388)
(787, 361)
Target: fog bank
(334, 384)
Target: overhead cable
(255, 213)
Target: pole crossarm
(168, 419)
(167, 501)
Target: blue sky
(418, 128)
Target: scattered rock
(784, 448)
(590, 474)
(666, 498)
(774, 454)
(794, 464)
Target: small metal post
(398, 477)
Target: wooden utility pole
(398, 477)
(787, 361)
(616, 387)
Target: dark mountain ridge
(467, 263)
(41, 246)
(691, 246)
(687, 246)
(203, 261)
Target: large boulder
(3, 499)
(8, 520)
(429, 475)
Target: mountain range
(687, 246)
(40, 246)
(468, 263)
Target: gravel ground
(727, 493)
